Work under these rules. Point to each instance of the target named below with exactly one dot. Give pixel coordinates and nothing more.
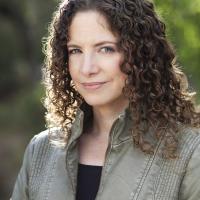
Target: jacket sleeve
(190, 188)
(21, 191)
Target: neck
(104, 117)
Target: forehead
(90, 26)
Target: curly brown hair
(156, 87)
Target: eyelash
(108, 50)
(72, 51)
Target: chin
(100, 100)
(95, 100)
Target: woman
(121, 122)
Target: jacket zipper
(68, 170)
(107, 155)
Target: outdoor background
(23, 24)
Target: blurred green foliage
(23, 24)
(183, 28)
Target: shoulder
(191, 181)
(189, 138)
(40, 152)
(44, 136)
(41, 144)
(40, 139)
(38, 159)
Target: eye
(74, 51)
(107, 50)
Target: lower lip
(93, 87)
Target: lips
(93, 85)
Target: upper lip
(93, 83)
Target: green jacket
(49, 172)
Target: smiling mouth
(93, 85)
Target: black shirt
(88, 180)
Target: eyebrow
(95, 45)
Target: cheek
(72, 70)
(122, 79)
(115, 71)
(119, 76)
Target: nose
(89, 65)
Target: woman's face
(94, 60)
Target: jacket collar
(119, 128)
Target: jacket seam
(144, 173)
